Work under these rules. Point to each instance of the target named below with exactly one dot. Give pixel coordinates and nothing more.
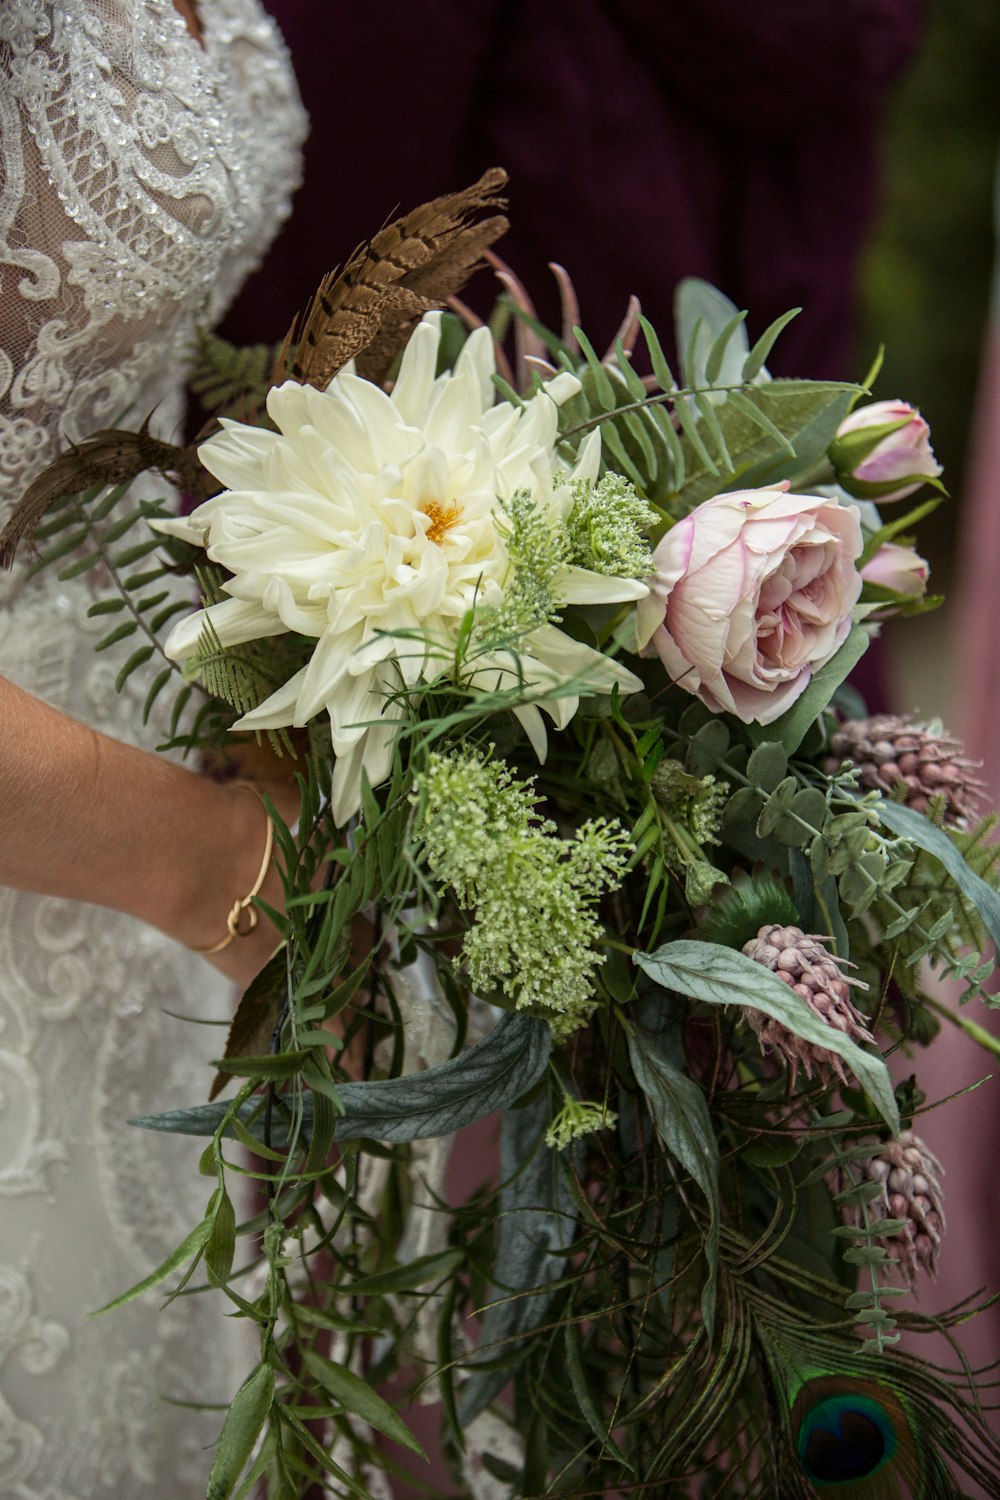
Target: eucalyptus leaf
(684, 1125)
(489, 1076)
(792, 727)
(776, 806)
(912, 825)
(767, 765)
(707, 747)
(721, 976)
(536, 1227)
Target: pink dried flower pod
(817, 977)
(890, 751)
(909, 1174)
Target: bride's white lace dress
(143, 175)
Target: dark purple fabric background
(646, 140)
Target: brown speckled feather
(112, 456)
(413, 264)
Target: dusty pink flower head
(900, 569)
(883, 451)
(752, 592)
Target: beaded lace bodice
(143, 175)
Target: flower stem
(978, 1034)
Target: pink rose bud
(883, 451)
(752, 592)
(898, 568)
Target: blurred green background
(928, 273)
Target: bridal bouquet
(596, 842)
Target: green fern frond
(99, 532)
(681, 445)
(229, 379)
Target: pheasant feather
(111, 457)
(411, 265)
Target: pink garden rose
(883, 451)
(752, 592)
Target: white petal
(279, 711)
(233, 620)
(562, 387)
(569, 660)
(531, 721)
(236, 455)
(478, 359)
(186, 527)
(588, 459)
(412, 392)
(581, 586)
(345, 789)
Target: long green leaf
(406, 1277)
(240, 1432)
(684, 1125)
(662, 371)
(760, 419)
(221, 1245)
(602, 381)
(806, 412)
(583, 1389)
(755, 360)
(357, 1396)
(721, 976)
(489, 1076)
(187, 1250)
(717, 353)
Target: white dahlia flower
(368, 519)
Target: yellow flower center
(442, 518)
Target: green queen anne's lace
(536, 934)
(605, 528)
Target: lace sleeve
(137, 191)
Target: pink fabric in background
(966, 1133)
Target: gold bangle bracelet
(234, 921)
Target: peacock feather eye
(845, 1437)
(855, 1438)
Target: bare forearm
(87, 818)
